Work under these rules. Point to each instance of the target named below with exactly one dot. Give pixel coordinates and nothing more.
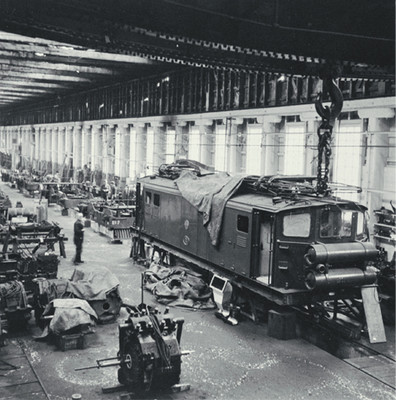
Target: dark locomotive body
(290, 251)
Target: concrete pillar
(69, 163)
(5, 140)
(271, 142)
(111, 135)
(159, 147)
(84, 146)
(96, 149)
(54, 150)
(76, 150)
(96, 152)
(46, 142)
(1, 138)
(88, 146)
(15, 148)
(36, 141)
(122, 152)
(104, 143)
(94, 132)
(137, 151)
(10, 140)
(61, 146)
(31, 144)
(22, 146)
(49, 130)
(68, 144)
(117, 153)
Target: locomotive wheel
(131, 373)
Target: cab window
(336, 223)
(361, 226)
(243, 223)
(156, 200)
(297, 225)
(148, 197)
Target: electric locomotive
(277, 238)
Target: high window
(170, 145)
(220, 148)
(253, 150)
(194, 144)
(347, 162)
(294, 150)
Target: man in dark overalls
(78, 238)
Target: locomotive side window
(148, 197)
(297, 225)
(243, 223)
(336, 223)
(156, 200)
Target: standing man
(78, 238)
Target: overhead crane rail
(190, 91)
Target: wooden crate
(71, 342)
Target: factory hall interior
(197, 200)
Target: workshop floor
(239, 362)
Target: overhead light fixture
(39, 54)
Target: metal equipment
(222, 293)
(14, 307)
(113, 219)
(149, 353)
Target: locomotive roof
(265, 201)
(253, 200)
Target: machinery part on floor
(14, 307)
(222, 293)
(325, 130)
(107, 310)
(149, 354)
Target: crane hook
(329, 114)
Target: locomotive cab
(321, 248)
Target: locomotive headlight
(321, 268)
(309, 257)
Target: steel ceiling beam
(64, 50)
(19, 89)
(32, 83)
(47, 77)
(164, 27)
(53, 66)
(11, 92)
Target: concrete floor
(239, 362)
